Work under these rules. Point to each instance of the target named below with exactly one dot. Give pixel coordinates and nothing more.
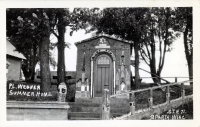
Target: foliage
(158, 35)
(30, 30)
(23, 32)
(34, 26)
(150, 29)
(63, 18)
(184, 24)
(125, 23)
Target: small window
(103, 60)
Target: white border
(118, 3)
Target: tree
(184, 25)
(158, 32)
(60, 21)
(64, 18)
(33, 26)
(125, 23)
(42, 24)
(19, 33)
(26, 39)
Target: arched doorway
(103, 74)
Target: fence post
(106, 105)
(132, 103)
(175, 79)
(151, 99)
(182, 90)
(168, 95)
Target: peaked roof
(10, 50)
(98, 36)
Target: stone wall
(26, 111)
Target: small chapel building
(102, 61)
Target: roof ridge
(103, 35)
(10, 50)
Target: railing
(164, 78)
(132, 98)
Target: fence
(168, 79)
(151, 105)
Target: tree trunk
(137, 76)
(189, 57)
(44, 65)
(155, 79)
(26, 70)
(33, 62)
(190, 69)
(61, 54)
(153, 62)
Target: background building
(13, 62)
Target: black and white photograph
(80, 63)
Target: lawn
(159, 95)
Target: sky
(175, 62)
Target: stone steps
(90, 108)
(84, 115)
(82, 118)
(84, 109)
(97, 109)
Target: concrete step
(85, 104)
(76, 108)
(98, 109)
(119, 110)
(90, 108)
(86, 107)
(114, 115)
(83, 115)
(90, 116)
(83, 118)
(97, 100)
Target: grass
(180, 113)
(184, 111)
(159, 95)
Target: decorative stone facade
(102, 60)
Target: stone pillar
(62, 92)
(87, 85)
(83, 77)
(114, 90)
(117, 83)
(182, 91)
(106, 105)
(91, 84)
(151, 99)
(168, 95)
(175, 79)
(132, 103)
